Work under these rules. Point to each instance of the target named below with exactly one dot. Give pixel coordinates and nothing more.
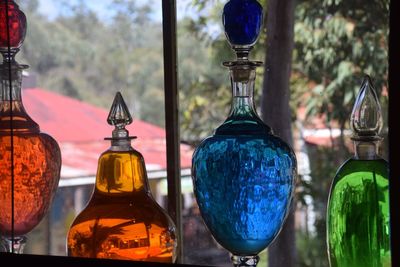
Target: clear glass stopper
(366, 117)
(119, 117)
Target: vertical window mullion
(172, 117)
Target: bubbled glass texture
(37, 164)
(244, 185)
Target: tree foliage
(88, 57)
(205, 100)
(82, 55)
(336, 43)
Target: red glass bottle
(30, 160)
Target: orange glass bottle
(122, 220)
(30, 161)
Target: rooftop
(80, 129)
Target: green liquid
(358, 233)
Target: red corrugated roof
(80, 128)
(71, 120)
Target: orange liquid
(37, 162)
(122, 220)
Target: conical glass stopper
(366, 117)
(119, 117)
(122, 220)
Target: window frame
(173, 155)
(173, 141)
(394, 132)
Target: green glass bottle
(358, 228)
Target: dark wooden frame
(173, 156)
(394, 132)
(172, 116)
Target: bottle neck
(366, 150)
(12, 112)
(10, 86)
(243, 118)
(242, 82)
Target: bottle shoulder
(121, 173)
(21, 121)
(263, 140)
(243, 124)
(357, 173)
(353, 165)
(129, 150)
(36, 142)
(128, 153)
(50, 140)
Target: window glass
(81, 53)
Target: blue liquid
(243, 180)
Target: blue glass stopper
(242, 20)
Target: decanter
(243, 175)
(30, 160)
(358, 231)
(122, 220)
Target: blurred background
(82, 52)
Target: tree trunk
(275, 108)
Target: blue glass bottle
(243, 175)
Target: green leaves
(336, 43)
(89, 57)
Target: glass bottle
(122, 220)
(358, 231)
(30, 160)
(243, 175)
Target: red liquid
(37, 162)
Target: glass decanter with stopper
(30, 161)
(243, 175)
(122, 220)
(358, 224)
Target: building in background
(80, 129)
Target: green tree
(204, 82)
(86, 57)
(336, 43)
